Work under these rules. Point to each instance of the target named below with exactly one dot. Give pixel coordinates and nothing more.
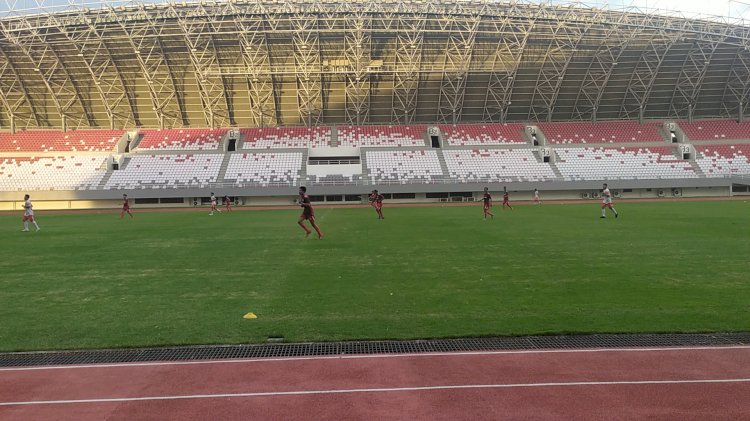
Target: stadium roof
(294, 62)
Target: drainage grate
(210, 352)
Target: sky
(729, 8)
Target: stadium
(620, 292)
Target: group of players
(308, 214)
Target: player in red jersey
(376, 200)
(307, 212)
(228, 203)
(506, 199)
(487, 198)
(125, 207)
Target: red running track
(601, 384)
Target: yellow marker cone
(249, 316)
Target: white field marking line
(377, 390)
(377, 356)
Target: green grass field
(95, 281)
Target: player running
(213, 205)
(307, 213)
(487, 198)
(607, 202)
(125, 207)
(28, 214)
(537, 200)
(228, 203)
(506, 199)
(376, 201)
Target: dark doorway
(232, 145)
(435, 141)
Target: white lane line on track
(374, 356)
(374, 390)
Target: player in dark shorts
(376, 200)
(307, 212)
(228, 203)
(506, 199)
(487, 199)
(125, 207)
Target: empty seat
(724, 160)
(496, 165)
(381, 136)
(403, 166)
(165, 171)
(656, 162)
(285, 137)
(59, 141)
(265, 169)
(604, 132)
(482, 134)
(182, 139)
(79, 172)
(715, 130)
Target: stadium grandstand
(243, 210)
(170, 100)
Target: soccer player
(125, 207)
(228, 203)
(376, 200)
(213, 204)
(28, 214)
(307, 212)
(537, 201)
(506, 199)
(487, 198)
(607, 202)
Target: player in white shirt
(213, 204)
(607, 202)
(28, 214)
(537, 200)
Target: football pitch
(172, 278)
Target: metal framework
(692, 73)
(599, 71)
(458, 52)
(15, 98)
(255, 54)
(408, 62)
(564, 39)
(308, 65)
(358, 46)
(145, 40)
(505, 62)
(118, 101)
(308, 62)
(737, 92)
(636, 96)
(198, 28)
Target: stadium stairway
(223, 167)
(694, 164)
(303, 170)
(365, 173)
(110, 171)
(551, 164)
(443, 165)
(334, 137)
(135, 142)
(106, 177)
